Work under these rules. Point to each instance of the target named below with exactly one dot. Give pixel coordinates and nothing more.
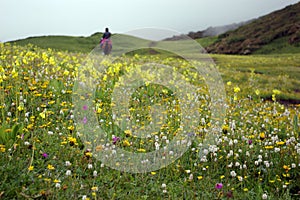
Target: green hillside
(87, 44)
(64, 43)
(206, 41)
(279, 46)
(277, 32)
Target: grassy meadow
(256, 154)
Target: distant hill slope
(121, 43)
(217, 30)
(209, 32)
(263, 35)
(65, 43)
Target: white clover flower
(293, 165)
(95, 173)
(191, 177)
(27, 114)
(84, 197)
(247, 153)
(68, 173)
(203, 159)
(264, 196)
(233, 174)
(163, 185)
(240, 178)
(267, 164)
(67, 163)
(90, 166)
(57, 185)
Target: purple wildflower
(219, 186)
(84, 120)
(45, 155)
(115, 139)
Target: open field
(255, 153)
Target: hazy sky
(24, 18)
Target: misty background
(25, 18)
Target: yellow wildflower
(126, 143)
(128, 133)
(50, 167)
(276, 92)
(43, 115)
(236, 89)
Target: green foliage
(9, 135)
(278, 46)
(235, 39)
(206, 41)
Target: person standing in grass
(105, 42)
(106, 34)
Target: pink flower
(85, 107)
(115, 139)
(45, 155)
(84, 120)
(219, 186)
